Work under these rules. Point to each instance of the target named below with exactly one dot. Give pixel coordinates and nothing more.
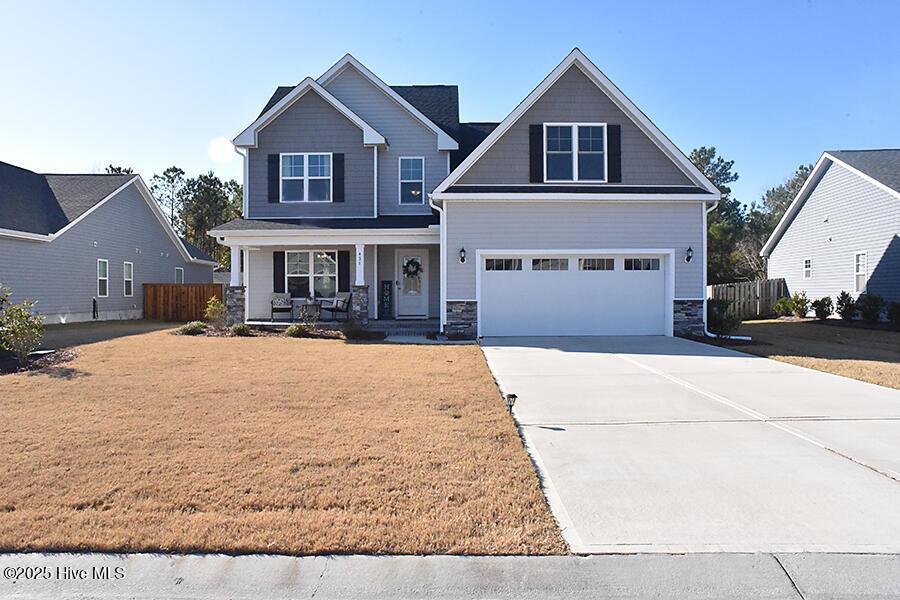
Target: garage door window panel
(550, 264)
(596, 264)
(503, 264)
(642, 264)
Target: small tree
(800, 304)
(720, 319)
(823, 308)
(893, 314)
(783, 307)
(21, 331)
(846, 306)
(870, 307)
(215, 314)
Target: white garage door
(588, 294)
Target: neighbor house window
(306, 177)
(179, 275)
(549, 264)
(102, 278)
(642, 264)
(596, 264)
(311, 273)
(807, 268)
(412, 180)
(575, 152)
(860, 272)
(503, 264)
(129, 279)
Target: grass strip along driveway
(157, 442)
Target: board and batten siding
(573, 225)
(312, 125)
(574, 98)
(861, 217)
(62, 275)
(405, 134)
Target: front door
(412, 283)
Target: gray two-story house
(81, 246)
(575, 215)
(842, 231)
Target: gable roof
(247, 138)
(879, 167)
(440, 103)
(577, 59)
(445, 140)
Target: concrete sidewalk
(712, 576)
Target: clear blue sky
(150, 84)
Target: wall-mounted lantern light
(689, 255)
(462, 256)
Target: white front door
(412, 283)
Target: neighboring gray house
(69, 240)
(575, 215)
(842, 231)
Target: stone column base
(688, 317)
(462, 319)
(359, 304)
(234, 304)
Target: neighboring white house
(842, 231)
(81, 246)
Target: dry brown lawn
(866, 354)
(157, 442)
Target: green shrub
(719, 319)
(800, 304)
(783, 307)
(297, 330)
(823, 308)
(893, 314)
(870, 307)
(846, 306)
(4, 301)
(215, 314)
(241, 330)
(192, 328)
(21, 331)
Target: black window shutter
(614, 147)
(274, 176)
(337, 175)
(343, 270)
(536, 153)
(278, 272)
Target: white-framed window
(503, 264)
(575, 152)
(860, 272)
(807, 268)
(128, 278)
(102, 278)
(311, 273)
(596, 264)
(412, 180)
(549, 264)
(179, 274)
(305, 177)
(642, 264)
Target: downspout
(442, 262)
(707, 332)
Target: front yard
(157, 442)
(871, 355)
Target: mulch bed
(47, 361)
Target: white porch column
(360, 265)
(235, 266)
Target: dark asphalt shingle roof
(383, 222)
(882, 165)
(196, 252)
(469, 137)
(43, 204)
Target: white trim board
(248, 137)
(578, 59)
(569, 197)
(444, 141)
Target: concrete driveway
(653, 444)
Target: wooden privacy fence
(179, 301)
(750, 298)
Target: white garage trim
(667, 253)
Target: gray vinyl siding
(574, 98)
(313, 125)
(861, 218)
(406, 137)
(555, 225)
(62, 275)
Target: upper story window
(575, 152)
(412, 180)
(306, 177)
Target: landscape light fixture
(510, 400)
